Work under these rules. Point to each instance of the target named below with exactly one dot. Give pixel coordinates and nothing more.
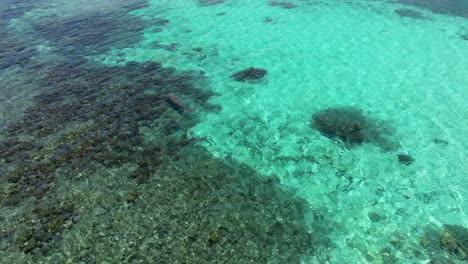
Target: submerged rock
(405, 159)
(346, 124)
(249, 74)
(351, 126)
(440, 141)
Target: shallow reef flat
(222, 131)
(98, 166)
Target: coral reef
(94, 33)
(405, 159)
(249, 74)
(454, 239)
(84, 181)
(352, 127)
(347, 124)
(197, 210)
(14, 51)
(115, 107)
(448, 244)
(38, 227)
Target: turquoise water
(404, 64)
(409, 72)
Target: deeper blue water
(233, 131)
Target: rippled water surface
(233, 131)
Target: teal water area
(234, 131)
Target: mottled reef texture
(99, 166)
(353, 127)
(90, 121)
(446, 7)
(250, 74)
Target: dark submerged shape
(249, 74)
(405, 159)
(285, 5)
(440, 141)
(93, 33)
(446, 7)
(111, 106)
(351, 126)
(405, 12)
(210, 2)
(452, 239)
(87, 120)
(346, 124)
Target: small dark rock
(374, 217)
(268, 19)
(221, 14)
(464, 36)
(132, 196)
(249, 74)
(440, 141)
(405, 159)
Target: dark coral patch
(39, 227)
(351, 126)
(454, 239)
(115, 99)
(14, 51)
(94, 115)
(94, 32)
(249, 74)
(405, 159)
(347, 124)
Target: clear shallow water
(409, 72)
(406, 69)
